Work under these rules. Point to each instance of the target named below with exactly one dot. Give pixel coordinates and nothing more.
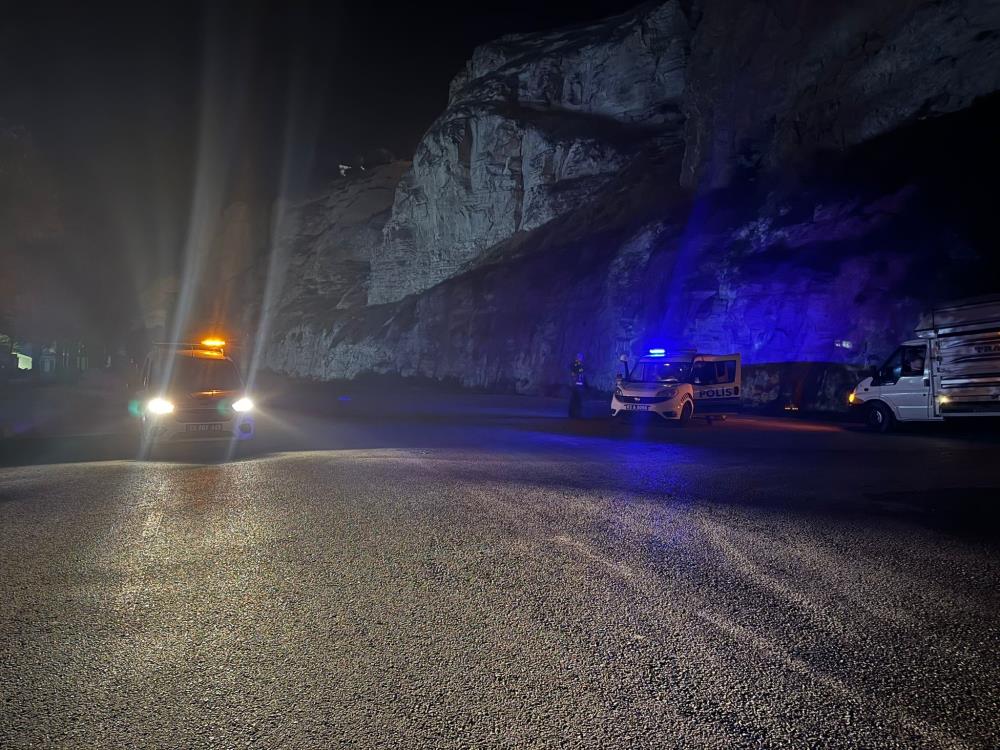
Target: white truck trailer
(951, 370)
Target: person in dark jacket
(577, 387)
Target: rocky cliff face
(535, 124)
(331, 238)
(326, 242)
(780, 179)
(770, 83)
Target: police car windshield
(660, 372)
(196, 374)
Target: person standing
(578, 386)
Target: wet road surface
(488, 573)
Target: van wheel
(879, 418)
(686, 411)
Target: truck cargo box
(965, 348)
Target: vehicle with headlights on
(677, 386)
(193, 392)
(950, 371)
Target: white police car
(192, 392)
(675, 386)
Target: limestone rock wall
(769, 83)
(328, 240)
(793, 181)
(535, 124)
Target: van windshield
(660, 372)
(195, 374)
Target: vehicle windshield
(192, 374)
(660, 372)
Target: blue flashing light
(657, 352)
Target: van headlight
(159, 406)
(243, 404)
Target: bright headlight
(244, 404)
(159, 406)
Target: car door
(716, 380)
(904, 382)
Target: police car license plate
(204, 428)
(636, 407)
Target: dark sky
(378, 73)
(120, 99)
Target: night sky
(114, 95)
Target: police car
(192, 392)
(676, 386)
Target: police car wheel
(686, 411)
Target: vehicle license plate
(204, 428)
(636, 407)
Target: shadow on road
(968, 512)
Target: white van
(676, 386)
(192, 392)
(952, 370)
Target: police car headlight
(666, 393)
(244, 404)
(618, 393)
(159, 406)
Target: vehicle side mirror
(873, 372)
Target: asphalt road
(486, 573)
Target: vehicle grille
(200, 436)
(203, 415)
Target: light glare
(243, 404)
(159, 406)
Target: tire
(686, 413)
(879, 417)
